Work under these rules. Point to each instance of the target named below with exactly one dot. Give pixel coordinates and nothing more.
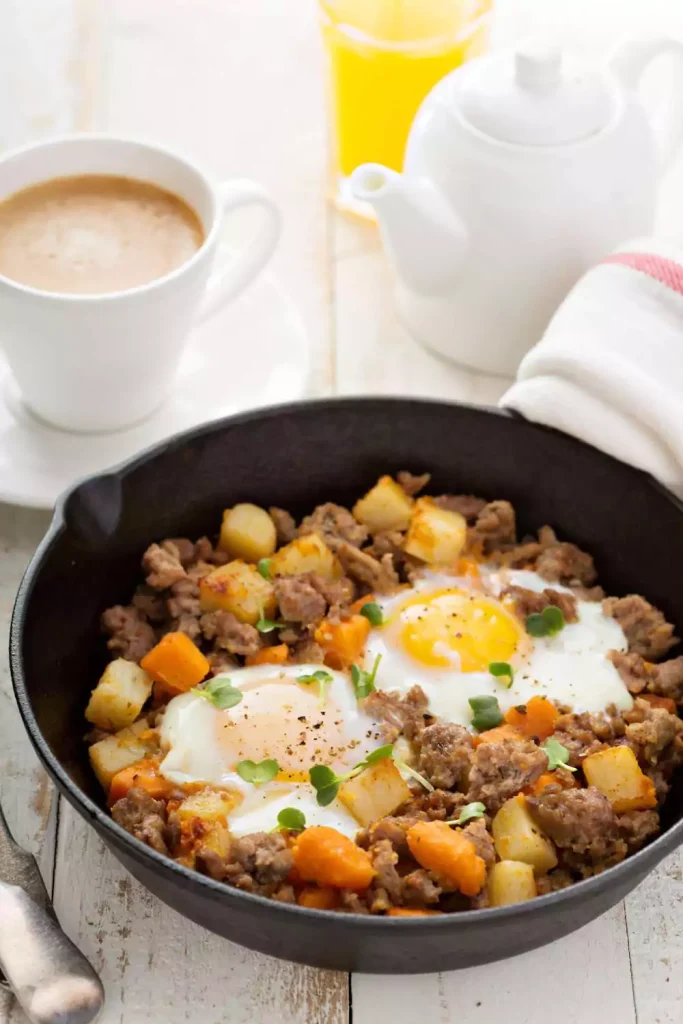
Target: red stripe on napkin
(668, 272)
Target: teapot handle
(628, 62)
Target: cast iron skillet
(297, 456)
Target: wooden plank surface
(238, 84)
(25, 791)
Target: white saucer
(254, 353)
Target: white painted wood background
(239, 84)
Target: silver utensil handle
(52, 980)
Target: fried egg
(444, 631)
(278, 717)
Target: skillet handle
(52, 980)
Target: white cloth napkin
(609, 368)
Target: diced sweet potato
(375, 793)
(124, 748)
(435, 535)
(276, 655)
(238, 588)
(343, 641)
(386, 506)
(537, 720)
(247, 532)
(306, 554)
(517, 837)
(618, 776)
(329, 858)
(317, 898)
(176, 663)
(143, 775)
(448, 854)
(118, 698)
(511, 881)
(501, 734)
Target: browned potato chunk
(376, 792)
(210, 805)
(204, 822)
(118, 698)
(511, 881)
(386, 506)
(435, 535)
(618, 776)
(238, 588)
(113, 754)
(518, 838)
(248, 532)
(306, 554)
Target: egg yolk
(450, 628)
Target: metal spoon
(50, 977)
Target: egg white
(570, 668)
(278, 718)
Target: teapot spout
(423, 235)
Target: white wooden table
(239, 84)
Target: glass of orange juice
(384, 56)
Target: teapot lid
(533, 96)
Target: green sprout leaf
(264, 566)
(373, 613)
(220, 692)
(503, 671)
(265, 625)
(549, 622)
(468, 813)
(487, 713)
(364, 682)
(326, 784)
(558, 755)
(402, 766)
(290, 818)
(379, 754)
(258, 772)
(322, 678)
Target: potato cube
(386, 506)
(113, 754)
(210, 805)
(240, 589)
(306, 554)
(618, 776)
(204, 822)
(517, 837)
(376, 792)
(248, 532)
(118, 698)
(435, 535)
(511, 881)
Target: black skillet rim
(645, 859)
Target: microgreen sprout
(487, 713)
(549, 622)
(220, 692)
(364, 682)
(258, 772)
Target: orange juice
(384, 56)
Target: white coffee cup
(103, 362)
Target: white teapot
(522, 170)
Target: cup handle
(629, 60)
(233, 276)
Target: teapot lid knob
(538, 66)
(533, 96)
